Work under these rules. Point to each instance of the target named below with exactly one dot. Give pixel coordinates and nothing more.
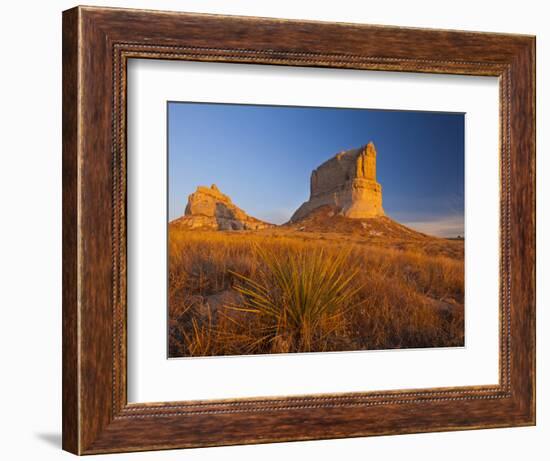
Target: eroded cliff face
(348, 183)
(208, 208)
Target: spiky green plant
(298, 296)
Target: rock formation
(208, 208)
(346, 182)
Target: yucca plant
(299, 297)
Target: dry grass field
(297, 289)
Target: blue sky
(262, 157)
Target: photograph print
(313, 229)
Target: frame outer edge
(90, 420)
(70, 273)
(523, 233)
(534, 214)
(533, 181)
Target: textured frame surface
(97, 43)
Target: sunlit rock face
(347, 182)
(208, 208)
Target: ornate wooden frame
(97, 43)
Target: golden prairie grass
(249, 293)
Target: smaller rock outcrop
(208, 208)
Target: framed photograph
(282, 230)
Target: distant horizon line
(451, 226)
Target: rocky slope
(329, 219)
(327, 223)
(208, 208)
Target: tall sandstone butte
(208, 208)
(347, 182)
